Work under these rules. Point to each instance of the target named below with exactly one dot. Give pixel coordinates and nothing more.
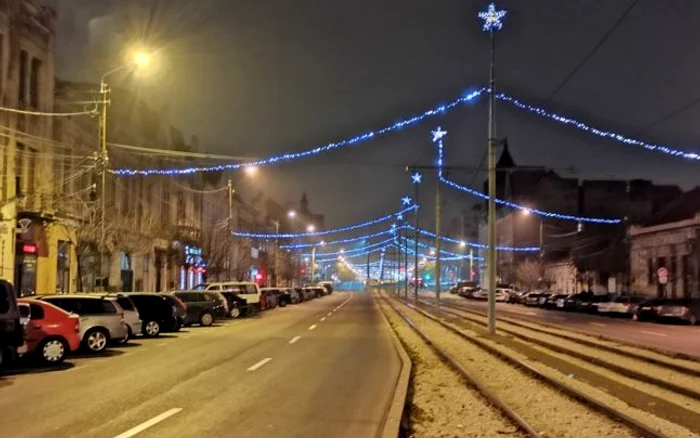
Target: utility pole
(277, 250)
(229, 235)
(471, 264)
(313, 264)
(368, 254)
(405, 258)
(103, 159)
(416, 281)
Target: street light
(251, 170)
(291, 214)
(310, 228)
(139, 60)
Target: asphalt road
(323, 368)
(670, 337)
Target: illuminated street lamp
(251, 170)
(291, 214)
(310, 228)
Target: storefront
(194, 270)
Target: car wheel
(128, 336)
(235, 312)
(206, 319)
(95, 340)
(283, 303)
(52, 351)
(151, 329)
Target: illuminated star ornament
(406, 200)
(393, 228)
(438, 134)
(399, 216)
(416, 178)
(492, 18)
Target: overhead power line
(593, 51)
(175, 153)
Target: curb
(394, 414)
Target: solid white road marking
(323, 319)
(312, 327)
(295, 339)
(75, 368)
(260, 364)
(654, 333)
(598, 324)
(152, 422)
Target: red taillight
(77, 324)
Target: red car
(49, 332)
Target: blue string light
(450, 183)
(442, 251)
(351, 256)
(442, 259)
(475, 245)
(291, 156)
(493, 19)
(325, 232)
(597, 132)
(380, 245)
(406, 200)
(416, 178)
(338, 242)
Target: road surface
(327, 367)
(670, 337)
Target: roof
(686, 206)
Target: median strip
(260, 364)
(152, 422)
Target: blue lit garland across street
(476, 245)
(339, 242)
(437, 111)
(352, 256)
(325, 232)
(439, 134)
(382, 244)
(432, 257)
(412, 242)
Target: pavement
(327, 368)
(675, 338)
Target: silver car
(132, 319)
(101, 318)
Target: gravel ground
(627, 362)
(668, 428)
(442, 405)
(549, 411)
(691, 364)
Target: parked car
(158, 313)
(533, 298)
(328, 285)
(647, 310)
(285, 296)
(202, 307)
(518, 297)
(421, 282)
(597, 300)
(132, 319)
(247, 290)
(479, 294)
(294, 295)
(222, 310)
(309, 293)
(683, 309)
(503, 295)
(235, 303)
(553, 299)
(568, 303)
(300, 292)
(11, 330)
(269, 297)
(50, 333)
(620, 305)
(101, 318)
(319, 291)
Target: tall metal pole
(416, 280)
(491, 253)
(277, 250)
(438, 219)
(313, 264)
(471, 264)
(405, 264)
(229, 235)
(103, 160)
(368, 254)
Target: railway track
(547, 405)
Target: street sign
(662, 274)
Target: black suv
(202, 307)
(11, 331)
(235, 303)
(157, 313)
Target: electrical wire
(47, 114)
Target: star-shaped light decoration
(406, 201)
(399, 216)
(416, 178)
(493, 19)
(393, 228)
(438, 134)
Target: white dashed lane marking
(152, 422)
(260, 364)
(323, 319)
(312, 327)
(295, 339)
(654, 333)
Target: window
(126, 303)
(4, 299)
(165, 207)
(180, 207)
(650, 271)
(19, 168)
(22, 90)
(37, 312)
(125, 196)
(2, 52)
(126, 261)
(63, 266)
(94, 307)
(34, 85)
(31, 171)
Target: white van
(247, 290)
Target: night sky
(258, 77)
